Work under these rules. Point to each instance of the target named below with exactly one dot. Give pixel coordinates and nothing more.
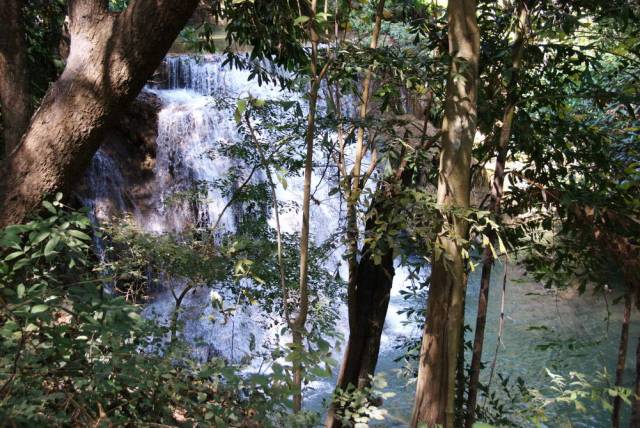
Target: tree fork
(111, 58)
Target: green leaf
(502, 247)
(301, 20)
(80, 235)
(241, 107)
(282, 180)
(20, 290)
(50, 248)
(13, 255)
(49, 206)
(39, 308)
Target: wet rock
(125, 162)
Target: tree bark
(298, 324)
(635, 406)
(368, 284)
(369, 310)
(353, 195)
(372, 301)
(622, 359)
(496, 199)
(435, 391)
(14, 81)
(111, 57)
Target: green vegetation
(445, 138)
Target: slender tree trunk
(635, 406)
(14, 81)
(435, 391)
(111, 57)
(496, 199)
(298, 324)
(175, 316)
(622, 359)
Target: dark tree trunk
(368, 311)
(622, 358)
(14, 81)
(635, 406)
(373, 286)
(436, 383)
(478, 341)
(496, 200)
(111, 57)
(369, 283)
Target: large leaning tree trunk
(111, 57)
(435, 391)
(494, 207)
(14, 81)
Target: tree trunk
(111, 57)
(370, 303)
(496, 199)
(14, 82)
(298, 324)
(622, 358)
(435, 391)
(635, 406)
(369, 284)
(373, 284)
(353, 194)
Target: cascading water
(191, 125)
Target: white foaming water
(193, 125)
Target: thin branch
(265, 164)
(235, 196)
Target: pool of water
(543, 329)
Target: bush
(72, 353)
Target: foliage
(73, 353)
(77, 352)
(46, 43)
(578, 390)
(358, 406)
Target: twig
(283, 284)
(500, 328)
(233, 198)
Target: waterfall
(196, 120)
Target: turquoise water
(543, 329)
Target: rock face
(120, 178)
